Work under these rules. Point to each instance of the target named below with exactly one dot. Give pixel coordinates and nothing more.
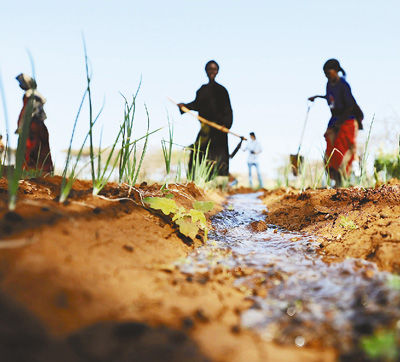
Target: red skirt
(341, 146)
(37, 153)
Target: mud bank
(352, 222)
(106, 261)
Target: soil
(92, 280)
(351, 222)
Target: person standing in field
(37, 153)
(346, 120)
(212, 102)
(253, 147)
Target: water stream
(297, 298)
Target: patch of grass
(203, 170)
(132, 167)
(127, 147)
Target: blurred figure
(253, 147)
(212, 102)
(343, 125)
(2, 148)
(37, 153)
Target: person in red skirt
(37, 153)
(343, 126)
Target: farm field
(97, 272)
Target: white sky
(270, 55)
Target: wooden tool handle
(205, 121)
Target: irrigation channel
(297, 298)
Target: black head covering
(211, 62)
(334, 64)
(26, 82)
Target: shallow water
(297, 297)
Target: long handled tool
(207, 122)
(296, 160)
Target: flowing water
(297, 298)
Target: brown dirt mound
(353, 222)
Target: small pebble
(128, 248)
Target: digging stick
(207, 122)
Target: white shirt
(255, 147)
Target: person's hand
(180, 105)
(312, 99)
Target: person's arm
(193, 106)
(312, 99)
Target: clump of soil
(24, 338)
(353, 222)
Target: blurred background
(270, 55)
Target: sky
(270, 55)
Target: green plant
(188, 221)
(127, 132)
(6, 152)
(363, 169)
(283, 175)
(202, 170)
(382, 345)
(347, 224)
(67, 182)
(68, 179)
(388, 164)
(132, 169)
(91, 122)
(179, 167)
(167, 150)
(103, 173)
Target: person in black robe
(212, 102)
